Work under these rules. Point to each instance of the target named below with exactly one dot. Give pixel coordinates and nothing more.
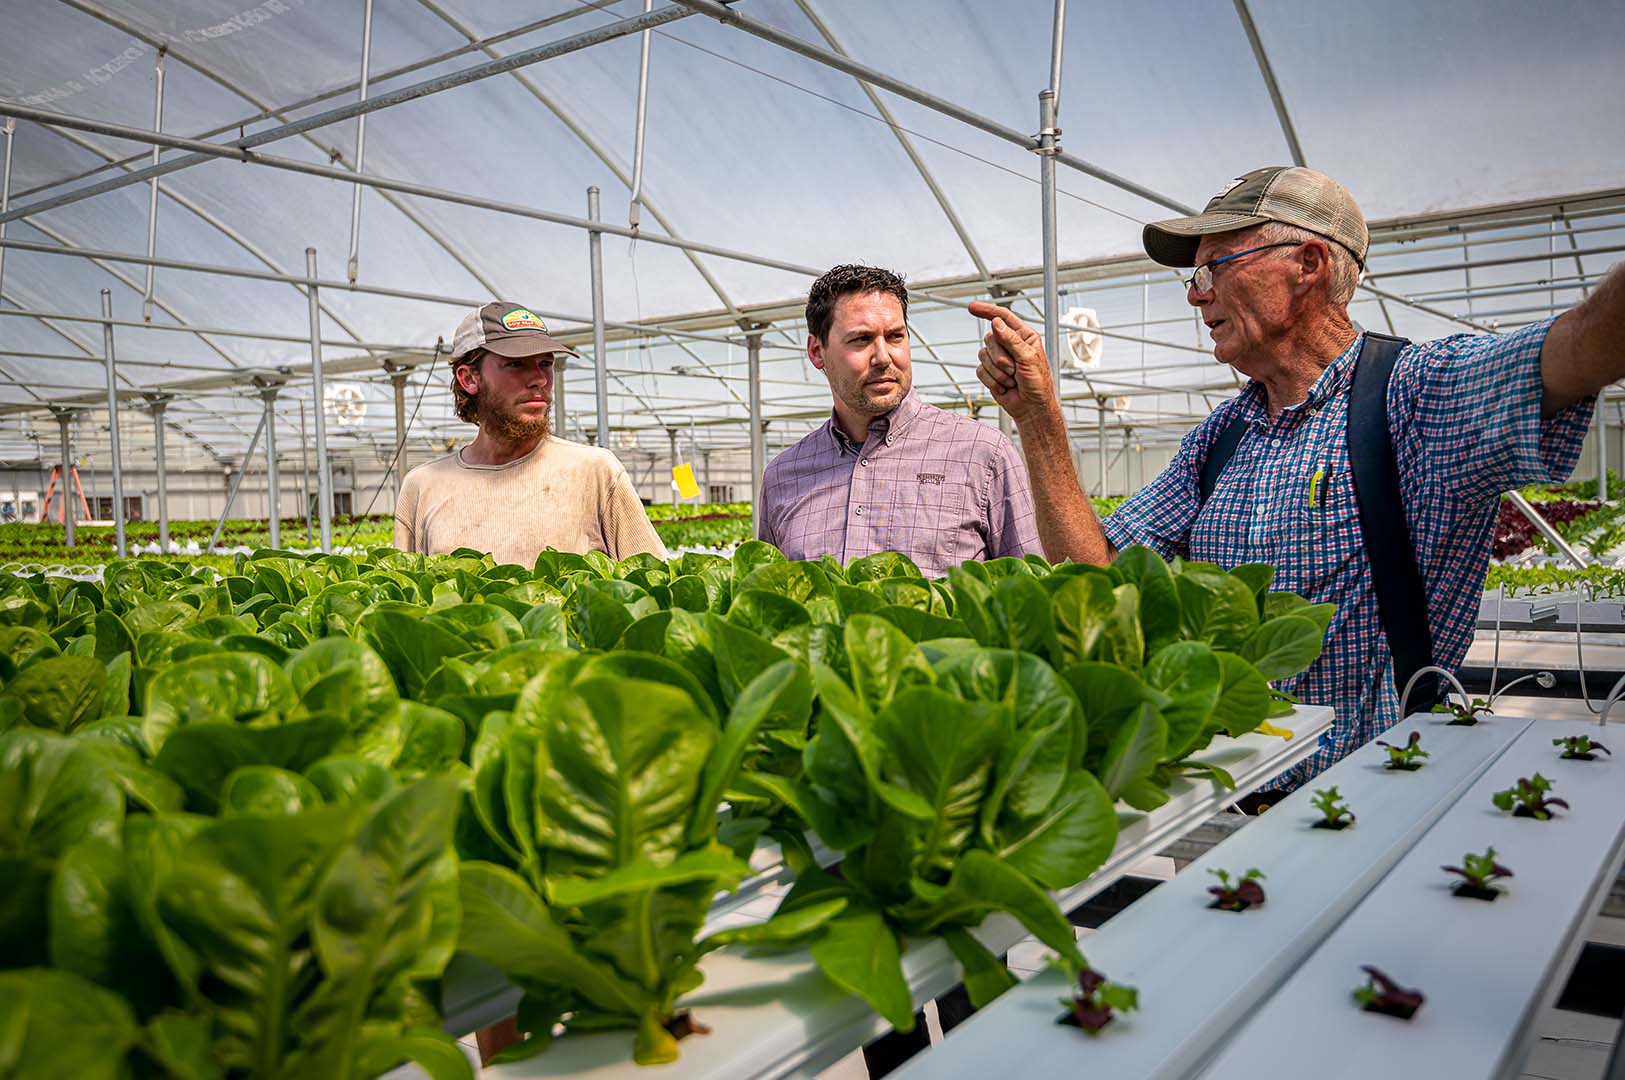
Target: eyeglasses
(1202, 279)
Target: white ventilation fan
(625, 440)
(1084, 341)
(1121, 405)
(346, 405)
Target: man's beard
(861, 403)
(507, 424)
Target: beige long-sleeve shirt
(560, 495)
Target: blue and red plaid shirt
(1464, 413)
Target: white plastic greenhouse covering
(1485, 140)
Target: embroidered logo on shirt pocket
(930, 478)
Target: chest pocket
(929, 507)
(1324, 538)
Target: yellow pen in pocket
(1314, 485)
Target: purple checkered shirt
(938, 487)
(1464, 413)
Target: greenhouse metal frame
(1477, 265)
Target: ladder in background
(50, 489)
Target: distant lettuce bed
(247, 817)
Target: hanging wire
(1580, 656)
(1466, 702)
(400, 447)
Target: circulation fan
(1084, 341)
(346, 405)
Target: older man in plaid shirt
(887, 471)
(1277, 255)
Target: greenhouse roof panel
(1439, 108)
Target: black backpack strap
(1218, 456)
(1395, 576)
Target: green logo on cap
(522, 319)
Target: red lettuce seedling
(1580, 748)
(1096, 999)
(1481, 871)
(1529, 796)
(1408, 757)
(1382, 994)
(1464, 716)
(1337, 814)
(1245, 893)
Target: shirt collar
(1336, 376)
(893, 423)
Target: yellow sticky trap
(683, 477)
(1267, 728)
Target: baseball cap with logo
(1292, 195)
(505, 329)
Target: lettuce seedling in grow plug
(1407, 758)
(1336, 812)
(1464, 715)
(1095, 1000)
(1245, 893)
(1580, 748)
(1529, 796)
(1480, 872)
(1381, 994)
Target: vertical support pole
(1056, 47)
(158, 403)
(10, 130)
(676, 496)
(397, 379)
(63, 417)
(324, 477)
(360, 143)
(1103, 446)
(758, 453)
(561, 426)
(119, 542)
(273, 474)
(152, 185)
(304, 474)
(1602, 444)
(1049, 104)
(1047, 149)
(632, 214)
(595, 249)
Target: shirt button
(888, 440)
(858, 511)
(864, 462)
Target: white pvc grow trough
(1200, 971)
(1486, 968)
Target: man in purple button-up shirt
(888, 472)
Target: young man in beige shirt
(517, 490)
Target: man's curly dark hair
(845, 280)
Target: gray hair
(1345, 271)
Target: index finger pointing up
(982, 309)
